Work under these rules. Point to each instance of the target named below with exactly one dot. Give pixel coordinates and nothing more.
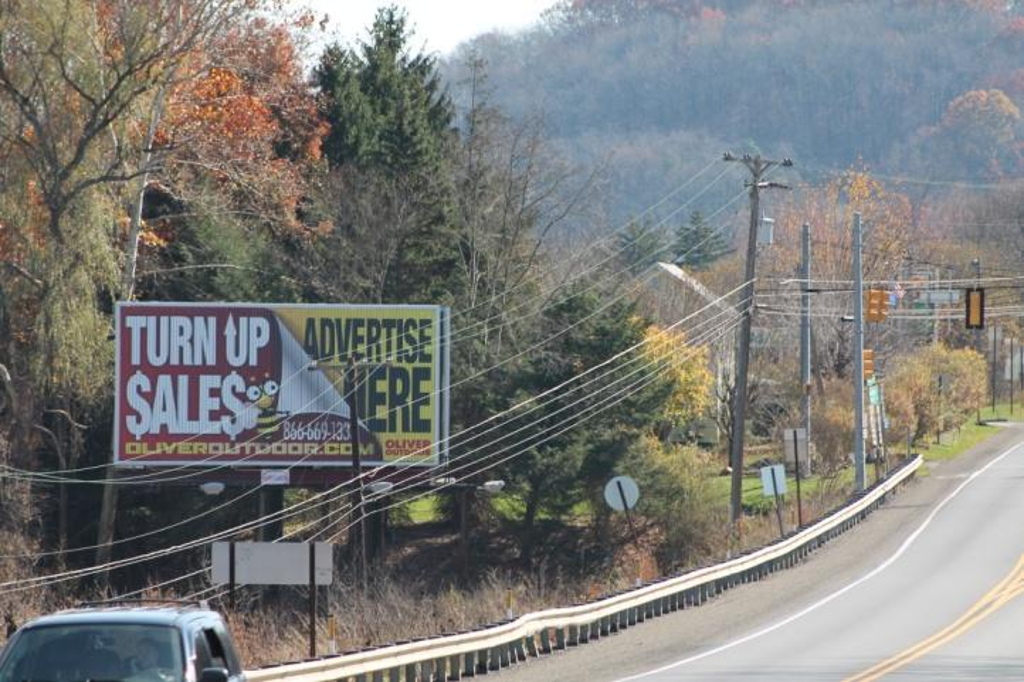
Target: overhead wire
(67, 575)
(461, 335)
(722, 208)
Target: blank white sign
(768, 481)
(272, 563)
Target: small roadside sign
(773, 480)
(275, 476)
(795, 443)
(271, 563)
(621, 493)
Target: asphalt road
(928, 589)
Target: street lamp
(492, 487)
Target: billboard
(242, 383)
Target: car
(138, 643)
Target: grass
(427, 509)
(969, 435)
(1002, 411)
(509, 506)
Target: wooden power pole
(758, 167)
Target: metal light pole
(805, 334)
(860, 477)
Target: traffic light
(869, 363)
(975, 309)
(877, 305)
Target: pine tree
(641, 245)
(391, 124)
(698, 244)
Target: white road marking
(835, 595)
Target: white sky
(440, 25)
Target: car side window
(230, 653)
(216, 648)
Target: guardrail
(490, 648)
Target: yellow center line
(1005, 590)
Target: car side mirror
(214, 675)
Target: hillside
(653, 90)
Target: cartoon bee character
(264, 397)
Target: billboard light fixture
(212, 488)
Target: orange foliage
(886, 215)
(251, 123)
(218, 108)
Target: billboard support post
(231, 575)
(357, 466)
(312, 599)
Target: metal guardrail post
(455, 667)
(531, 647)
(560, 638)
(503, 658)
(545, 643)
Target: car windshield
(94, 652)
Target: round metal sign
(621, 493)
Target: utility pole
(805, 335)
(1010, 377)
(977, 332)
(995, 354)
(757, 167)
(860, 481)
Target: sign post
(796, 444)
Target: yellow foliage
(912, 394)
(685, 366)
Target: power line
(297, 508)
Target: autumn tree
(241, 155)
(979, 130)
(888, 221)
(87, 91)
